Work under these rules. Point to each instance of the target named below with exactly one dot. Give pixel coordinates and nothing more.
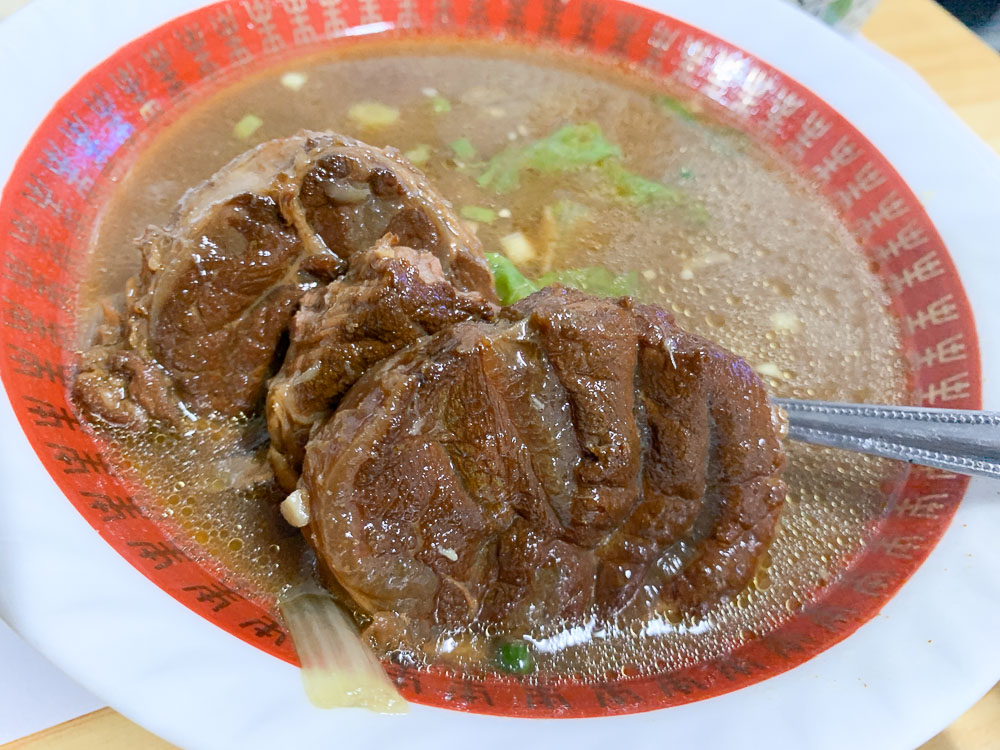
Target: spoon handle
(967, 442)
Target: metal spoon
(967, 442)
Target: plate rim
(729, 20)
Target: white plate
(893, 684)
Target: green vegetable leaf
(502, 171)
(463, 149)
(511, 284)
(479, 213)
(571, 147)
(594, 279)
(637, 189)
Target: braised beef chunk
(390, 296)
(579, 455)
(566, 456)
(215, 327)
(120, 386)
(219, 287)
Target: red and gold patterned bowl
(63, 177)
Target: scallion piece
(479, 213)
(463, 149)
(373, 115)
(440, 105)
(419, 154)
(247, 126)
(515, 657)
(293, 80)
(675, 106)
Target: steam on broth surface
(692, 215)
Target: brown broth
(754, 260)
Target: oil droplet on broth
(715, 320)
(234, 523)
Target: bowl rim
(960, 216)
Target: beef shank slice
(218, 287)
(579, 455)
(390, 296)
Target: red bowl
(63, 180)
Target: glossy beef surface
(206, 316)
(578, 455)
(391, 296)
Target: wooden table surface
(966, 74)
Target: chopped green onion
(517, 247)
(594, 279)
(675, 106)
(373, 115)
(783, 320)
(686, 173)
(419, 154)
(463, 149)
(479, 213)
(510, 283)
(515, 657)
(440, 105)
(769, 370)
(339, 668)
(293, 80)
(247, 126)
